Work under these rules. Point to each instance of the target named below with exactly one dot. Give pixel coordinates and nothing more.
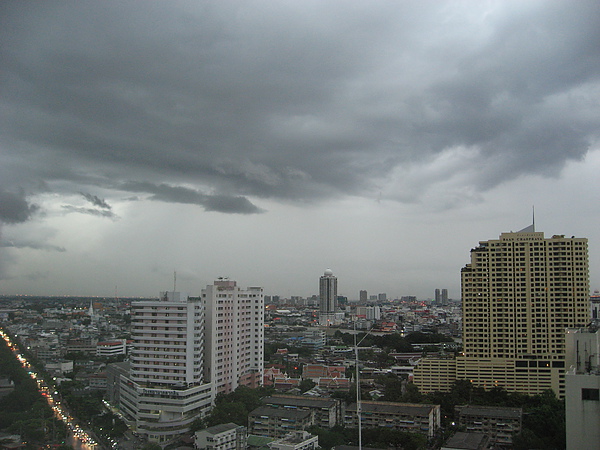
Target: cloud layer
(236, 107)
(216, 104)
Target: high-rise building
(327, 299)
(234, 335)
(362, 296)
(165, 389)
(441, 297)
(519, 294)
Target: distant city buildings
(519, 294)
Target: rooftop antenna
(533, 213)
(174, 281)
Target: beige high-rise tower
(519, 295)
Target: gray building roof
(216, 429)
(392, 408)
(285, 413)
(301, 402)
(490, 411)
(466, 441)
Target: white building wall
(234, 335)
(165, 390)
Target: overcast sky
(270, 140)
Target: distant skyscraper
(444, 297)
(362, 296)
(327, 298)
(519, 294)
(441, 297)
(382, 297)
(234, 335)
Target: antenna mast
(533, 212)
(174, 281)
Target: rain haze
(267, 141)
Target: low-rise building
(277, 422)
(227, 436)
(296, 440)
(499, 424)
(420, 418)
(110, 349)
(327, 411)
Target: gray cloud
(290, 101)
(178, 194)
(14, 207)
(96, 201)
(89, 211)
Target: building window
(590, 394)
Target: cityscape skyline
(268, 142)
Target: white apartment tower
(165, 390)
(234, 335)
(327, 299)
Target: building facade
(234, 335)
(519, 294)
(327, 411)
(165, 388)
(418, 418)
(499, 424)
(277, 422)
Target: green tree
(306, 385)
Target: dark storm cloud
(177, 194)
(90, 211)
(96, 201)
(292, 100)
(14, 207)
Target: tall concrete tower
(328, 299)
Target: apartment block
(234, 335)
(277, 422)
(499, 424)
(165, 389)
(519, 294)
(419, 418)
(327, 411)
